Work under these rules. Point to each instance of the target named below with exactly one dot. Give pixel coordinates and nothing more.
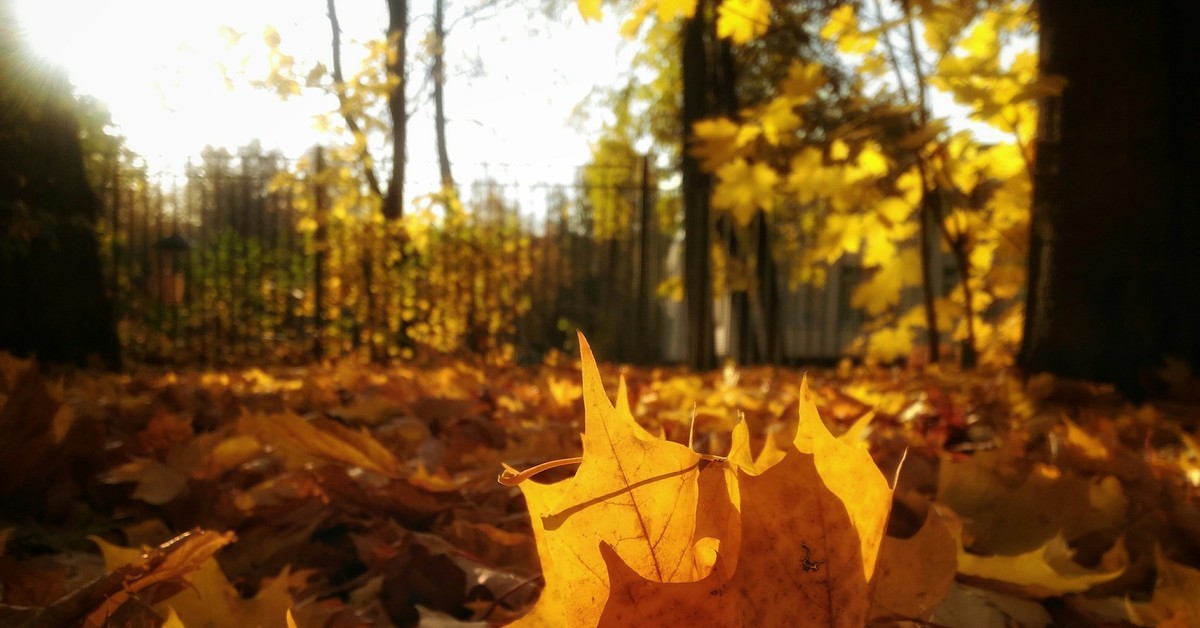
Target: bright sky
(155, 63)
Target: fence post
(322, 251)
(646, 334)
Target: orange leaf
(642, 535)
(635, 492)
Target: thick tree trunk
(697, 270)
(1114, 261)
(52, 300)
(393, 206)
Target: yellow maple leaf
(894, 209)
(882, 290)
(840, 20)
(743, 20)
(871, 160)
(642, 536)
(720, 140)
(839, 150)
(807, 174)
(778, 118)
(802, 81)
(327, 440)
(1044, 571)
(744, 188)
(982, 41)
(879, 248)
(671, 9)
(209, 600)
(589, 10)
(188, 557)
(637, 493)
(843, 28)
(890, 343)
(910, 186)
(813, 558)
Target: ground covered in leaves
(351, 494)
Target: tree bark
(438, 70)
(52, 299)
(393, 206)
(1113, 265)
(697, 270)
(339, 86)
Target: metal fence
(217, 265)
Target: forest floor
(351, 494)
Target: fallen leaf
(1175, 601)
(157, 483)
(1046, 571)
(324, 440)
(208, 600)
(804, 542)
(966, 605)
(636, 492)
(915, 574)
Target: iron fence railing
(216, 264)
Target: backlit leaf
(743, 20)
(744, 188)
(589, 10)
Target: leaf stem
(512, 477)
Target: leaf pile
(349, 494)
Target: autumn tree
(1114, 286)
(697, 228)
(707, 64)
(52, 300)
(437, 71)
(393, 85)
(869, 188)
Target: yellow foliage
(889, 344)
(671, 9)
(843, 27)
(778, 119)
(590, 10)
(895, 210)
(719, 141)
(744, 188)
(808, 177)
(802, 81)
(742, 20)
(882, 290)
(864, 196)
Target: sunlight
(160, 67)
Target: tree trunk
(339, 86)
(393, 206)
(52, 300)
(1113, 266)
(438, 70)
(697, 270)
